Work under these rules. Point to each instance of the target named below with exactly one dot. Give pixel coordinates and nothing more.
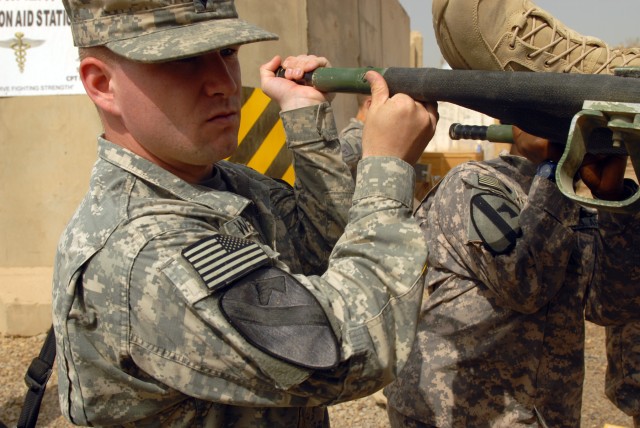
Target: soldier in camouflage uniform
(500, 339)
(518, 35)
(190, 291)
(351, 135)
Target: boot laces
(538, 23)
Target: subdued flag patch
(491, 183)
(221, 259)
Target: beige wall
(48, 144)
(286, 18)
(47, 147)
(417, 44)
(358, 34)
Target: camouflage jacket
(500, 336)
(140, 334)
(351, 141)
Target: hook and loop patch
(277, 314)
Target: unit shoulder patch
(494, 221)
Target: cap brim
(189, 40)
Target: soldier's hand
(534, 148)
(396, 126)
(604, 175)
(288, 94)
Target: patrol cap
(160, 30)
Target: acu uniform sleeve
(316, 212)
(516, 246)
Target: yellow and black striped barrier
(261, 140)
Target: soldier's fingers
(296, 66)
(432, 109)
(379, 88)
(268, 69)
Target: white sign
(37, 55)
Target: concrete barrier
(25, 300)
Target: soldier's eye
(229, 52)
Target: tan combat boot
(516, 35)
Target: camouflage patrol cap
(160, 30)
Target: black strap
(36, 379)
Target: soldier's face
(183, 115)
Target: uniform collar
(522, 164)
(223, 202)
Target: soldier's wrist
(627, 189)
(547, 169)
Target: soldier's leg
(622, 382)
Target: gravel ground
(17, 352)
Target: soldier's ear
(96, 76)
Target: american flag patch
(494, 185)
(221, 259)
(489, 181)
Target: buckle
(37, 375)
